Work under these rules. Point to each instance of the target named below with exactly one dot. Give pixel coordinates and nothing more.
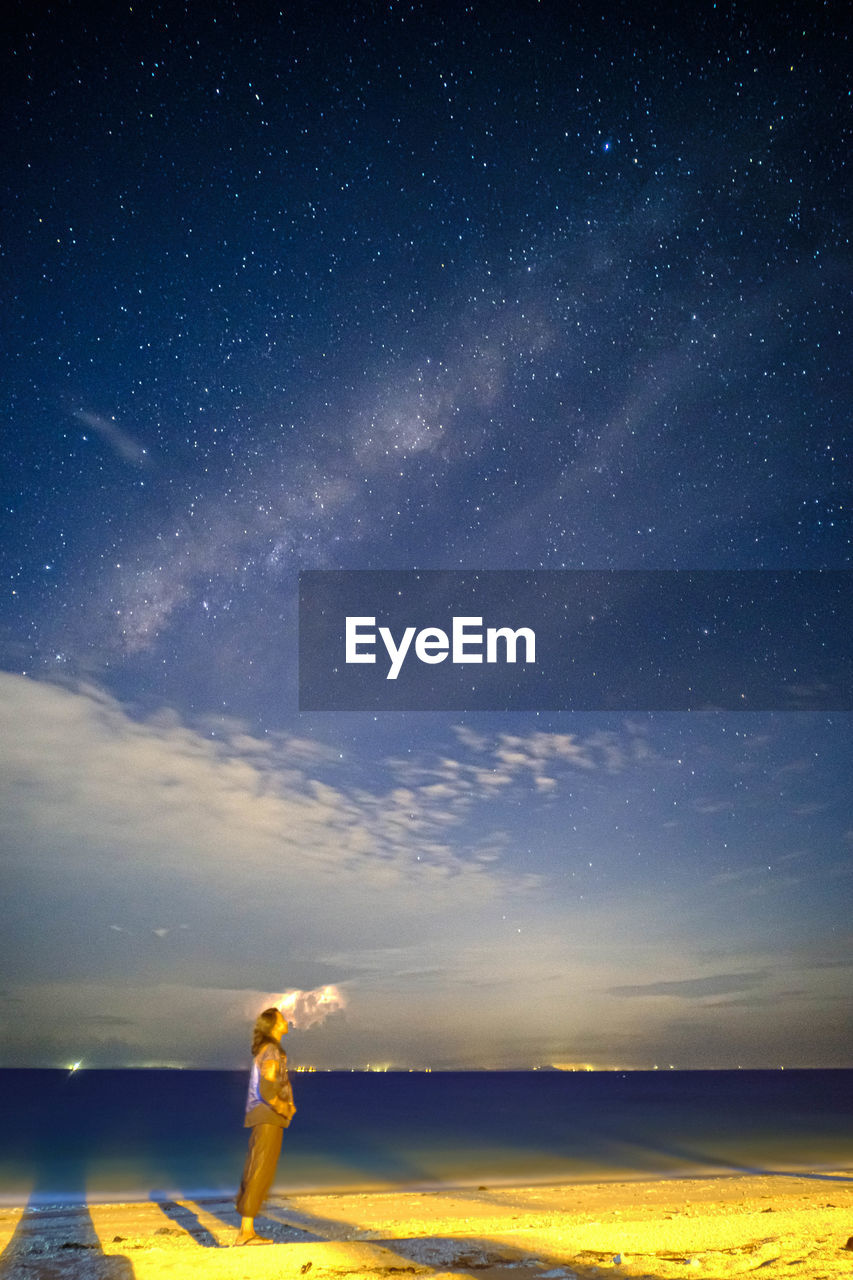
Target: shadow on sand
(57, 1231)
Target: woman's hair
(263, 1029)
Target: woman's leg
(258, 1175)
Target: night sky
(529, 286)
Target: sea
(99, 1135)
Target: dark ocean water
(123, 1135)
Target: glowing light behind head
(304, 1009)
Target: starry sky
(528, 286)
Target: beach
(777, 1225)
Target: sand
(775, 1225)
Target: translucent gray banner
(575, 640)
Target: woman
(269, 1110)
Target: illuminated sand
(775, 1225)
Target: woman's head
(269, 1026)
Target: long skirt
(259, 1171)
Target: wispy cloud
(693, 988)
(539, 760)
(159, 793)
(119, 440)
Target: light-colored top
(270, 1097)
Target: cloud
(708, 806)
(693, 988)
(601, 750)
(79, 767)
(539, 760)
(175, 873)
(531, 751)
(306, 1009)
(469, 738)
(139, 825)
(119, 440)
